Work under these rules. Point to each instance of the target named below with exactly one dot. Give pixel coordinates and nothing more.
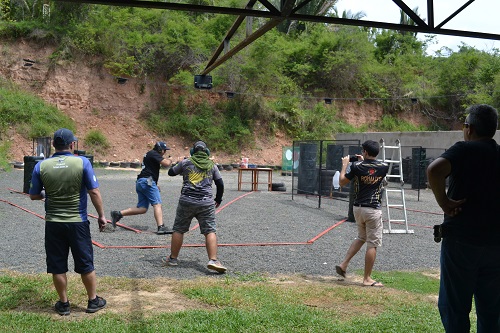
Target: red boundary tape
(309, 242)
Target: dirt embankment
(95, 99)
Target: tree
(406, 20)
(314, 7)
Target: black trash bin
(90, 158)
(29, 165)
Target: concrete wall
(434, 142)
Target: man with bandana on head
(196, 201)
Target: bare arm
(342, 179)
(95, 197)
(437, 172)
(166, 162)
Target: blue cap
(64, 137)
(160, 145)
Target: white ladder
(395, 159)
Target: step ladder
(395, 195)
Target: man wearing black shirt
(368, 176)
(470, 251)
(147, 189)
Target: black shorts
(60, 237)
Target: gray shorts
(370, 228)
(186, 212)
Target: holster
(442, 231)
(438, 233)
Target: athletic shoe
(216, 265)
(162, 230)
(96, 304)
(62, 308)
(171, 261)
(115, 217)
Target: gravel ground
(258, 232)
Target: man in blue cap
(67, 179)
(148, 192)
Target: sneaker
(115, 217)
(62, 308)
(163, 230)
(216, 265)
(171, 261)
(96, 304)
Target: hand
(452, 207)
(345, 161)
(102, 223)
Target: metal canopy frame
(288, 11)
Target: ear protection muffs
(160, 146)
(199, 146)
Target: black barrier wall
(29, 166)
(316, 161)
(306, 173)
(315, 164)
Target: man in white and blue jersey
(66, 180)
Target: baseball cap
(64, 137)
(161, 145)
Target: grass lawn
(233, 303)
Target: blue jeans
(147, 194)
(469, 270)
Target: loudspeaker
(203, 81)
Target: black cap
(64, 137)
(199, 146)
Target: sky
(479, 16)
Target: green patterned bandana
(201, 161)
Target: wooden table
(254, 173)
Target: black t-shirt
(151, 165)
(475, 176)
(367, 177)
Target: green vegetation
(96, 141)
(29, 114)
(4, 155)
(280, 81)
(234, 303)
